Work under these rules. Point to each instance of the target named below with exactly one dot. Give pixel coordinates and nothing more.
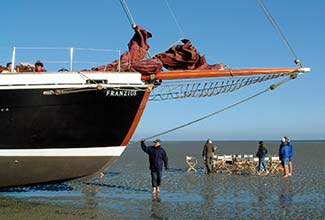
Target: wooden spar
(187, 74)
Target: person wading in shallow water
(287, 140)
(284, 154)
(261, 152)
(207, 154)
(157, 159)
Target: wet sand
(124, 192)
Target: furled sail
(185, 57)
(183, 61)
(132, 60)
(178, 57)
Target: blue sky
(233, 32)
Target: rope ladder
(206, 88)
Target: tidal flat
(125, 192)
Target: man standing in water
(287, 140)
(207, 154)
(157, 159)
(284, 154)
(261, 152)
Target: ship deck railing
(66, 58)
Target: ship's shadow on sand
(53, 187)
(120, 187)
(74, 186)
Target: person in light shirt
(9, 68)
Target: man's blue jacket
(157, 157)
(284, 150)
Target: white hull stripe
(70, 78)
(65, 152)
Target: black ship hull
(21, 171)
(56, 133)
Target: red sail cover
(185, 57)
(138, 48)
(178, 57)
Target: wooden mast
(187, 74)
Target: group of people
(285, 155)
(38, 67)
(158, 159)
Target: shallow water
(124, 192)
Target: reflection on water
(156, 207)
(286, 195)
(262, 195)
(89, 192)
(208, 194)
(125, 192)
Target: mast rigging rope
(127, 12)
(279, 32)
(175, 19)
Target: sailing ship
(58, 126)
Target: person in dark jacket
(261, 152)
(157, 160)
(284, 154)
(207, 154)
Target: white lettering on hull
(121, 93)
